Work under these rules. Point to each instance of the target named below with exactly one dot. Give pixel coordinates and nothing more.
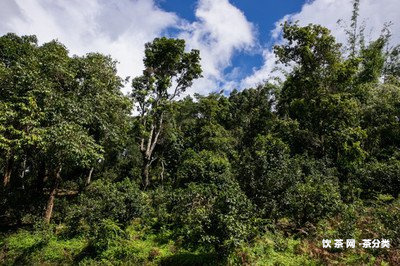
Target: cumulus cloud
(261, 75)
(220, 30)
(119, 28)
(373, 14)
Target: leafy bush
(380, 177)
(106, 235)
(266, 173)
(315, 195)
(135, 245)
(299, 187)
(120, 202)
(203, 167)
(210, 210)
(389, 215)
(211, 216)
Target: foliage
(166, 65)
(256, 177)
(316, 196)
(120, 202)
(210, 210)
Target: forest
(260, 176)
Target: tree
(251, 112)
(67, 144)
(57, 115)
(209, 209)
(169, 71)
(392, 66)
(372, 61)
(106, 109)
(20, 86)
(85, 113)
(320, 94)
(84, 110)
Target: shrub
(266, 173)
(301, 188)
(204, 167)
(380, 177)
(107, 234)
(120, 202)
(389, 216)
(315, 195)
(210, 211)
(210, 216)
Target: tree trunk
(162, 173)
(89, 177)
(145, 172)
(22, 176)
(7, 172)
(147, 150)
(50, 201)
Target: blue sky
(234, 37)
(262, 13)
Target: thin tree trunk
(147, 153)
(89, 177)
(162, 172)
(50, 201)
(8, 171)
(22, 176)
(145, 172)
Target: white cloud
(220, 30)
(122, 27)
(263, 74)
(117, 27)
(327, 12)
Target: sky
(235, 37)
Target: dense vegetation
(260, 176)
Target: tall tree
(58, 114)
(20, 85)
(320, 95)
(169, 71)
(85, 111)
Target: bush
(136, 245)
(209, 211)
(107, 234)
(389, 216)
(204, 167)
(120, 202)
(380, 178)
(316, 194)
(299, 187)
(266, 173)
(211, 216)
